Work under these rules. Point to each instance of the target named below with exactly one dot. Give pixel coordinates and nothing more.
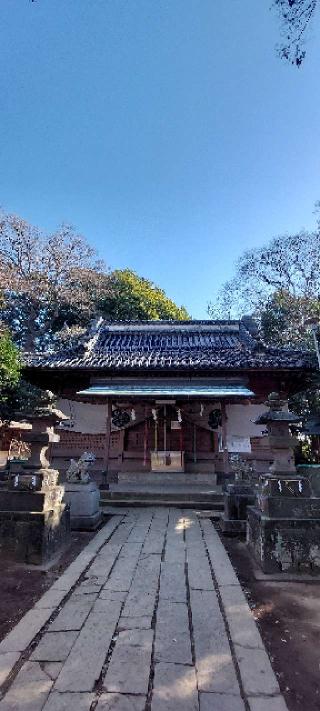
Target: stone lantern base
(236, 499)
(84, 502)
(283, 531)
(34, 519)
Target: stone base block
(232, 527)
(34, 537)
(84, 501)
(284, 544)
(236, 499)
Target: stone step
(176, 478)
(185, 497)
(215, 507)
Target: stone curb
(21, 636)
(258, 679)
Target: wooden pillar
(194, 442)
(107, 444)
(165, 428)
(224, 438)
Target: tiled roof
(170, 345)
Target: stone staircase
(198, 491)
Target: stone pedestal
(283, 529)
(84, 501)
(236, 499)
(34, 520)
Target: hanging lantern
(179, 415)
(133, 415)
(154, 414)
(201, 410)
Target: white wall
(86, 418)
(240, 425)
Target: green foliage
(9, 363)
(284, 319)
(133, 297)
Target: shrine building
(167, 396)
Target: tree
(279, 284)
(9, 362)
(133, 297)
(9, 371)
(52, 286)
(46, 280)
(295, 17)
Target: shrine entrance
(169, 440)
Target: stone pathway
(149, 617)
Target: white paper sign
(235, 443)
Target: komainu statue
(78, 473)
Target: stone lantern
(283, 528)
(34, 519)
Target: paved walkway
(149, 617)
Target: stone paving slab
(29, 690)
(54, 647)
(85, 661)
(214, 663)
(72, 615)
(257, 675)
(121, 702)
(7, 662)
(172, 582)
(53, 669)
(139, 604)
(268, 704)
(23, 633)
(221, 702)
(131, 623)
(129, 668)
(174, 688)
(172, 639)
(151, 582)
(69, 702)
(241, 623)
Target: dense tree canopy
(53, 283)
(133, 297)
(280, 285)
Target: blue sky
(167, 131)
